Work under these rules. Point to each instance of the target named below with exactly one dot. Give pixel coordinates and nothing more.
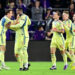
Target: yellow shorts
(73, 44)
(68, 44)
(58, 42)
(21, 43)
(2, 40)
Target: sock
(20, 58)
(68, 55)
(73, 58)
(53, 58)
(2, 58)
(65, 59)
(25, 58)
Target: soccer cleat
(25, 69)
(53, 68)
(65, 67)
(29, 65)
(5, 67)
(20, 69)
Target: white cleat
(5, 67)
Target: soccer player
(73, 42)
(4, 21)
(68, 43)
(57, 40)
(22, 39)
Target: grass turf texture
(37, 68)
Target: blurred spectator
(71, 10)
(22, 5)
(45, 4)
(26, 2)
(48, 19)
(29, 7)
(73, 1)
(2, 12)
(39, 34)
(3, 2)
(37, 11)
(48, 14)
(12, 6)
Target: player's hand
(49, 33)
(54, 29)
(2, 48)
(17, 19)
(16, 55)
(8, 24)
(18, 16)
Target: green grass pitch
(37, 68)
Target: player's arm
(49, 33)
(29, 21)
(18, 25)
(61, 28)
(59, 31)
(3, 21)
(68, 27)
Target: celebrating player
(68, 43)
(57, 40)
(73, 43)
(3, 29)
(22, 39)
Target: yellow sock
(20, 59)
(2, 57)
(73, 58)
(65, 59)
(68, 55)
(25, 56)
(53, 58)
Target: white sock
(26, 65)
(3, 64)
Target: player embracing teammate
(20, 26)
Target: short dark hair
(59, 14)
(7, 11)
(19, 8)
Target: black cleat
(21, 69)
(29, 65)
(25, 69)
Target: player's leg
(64, 58)
(72, 53)
(68, 45)
(61, 46)
(2, 56)
(26, 65)
(18, 53)
(20, 59)
(53, 58)
(52, 51)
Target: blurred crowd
(40, 13)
